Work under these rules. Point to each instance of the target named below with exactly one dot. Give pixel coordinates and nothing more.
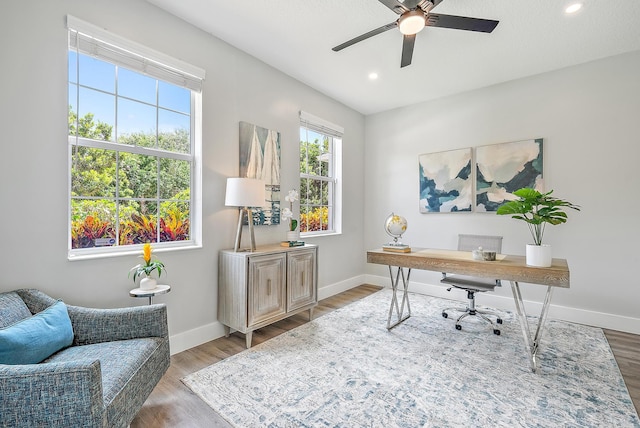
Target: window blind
(97, 42)
(315, 123)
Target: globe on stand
(395, 226)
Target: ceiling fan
(413, 19)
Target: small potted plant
(287, 213)
(146, 268)
(537, 210)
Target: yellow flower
(148, 266)
(146, 253)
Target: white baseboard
(565, 313)
(197, 336)
(339, 287)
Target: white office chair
(472, 284)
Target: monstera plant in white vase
(537, 210)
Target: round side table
(160, 289)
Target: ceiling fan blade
(395, 6)
(365, 36)
(407, 49)
(461, 22)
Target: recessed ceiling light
(373, 76)
(573, 8)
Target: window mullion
(157, 146)
(139, 150)
(157, 201)
(118, 197)
(317, 177)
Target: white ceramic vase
(539, 255)
(293, 235)
(148, 283)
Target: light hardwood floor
(172, 404)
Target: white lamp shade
(244, 192)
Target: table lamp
(245, 193)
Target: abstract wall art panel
(260, 158)
(504, 168)
(446, 181)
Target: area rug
(345, 369)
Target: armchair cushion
(37, 337)
(130, 371)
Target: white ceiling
(296, 37)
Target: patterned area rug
(345, 369)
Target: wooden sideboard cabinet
(261, 287)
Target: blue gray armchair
(115, 360)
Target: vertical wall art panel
(260, 158)
(503, 168)
(445, 181)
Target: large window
(134, 143)
(320, 173)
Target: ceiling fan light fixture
(411, 22)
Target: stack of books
(292, 243)
(397, 248)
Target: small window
(320, 173)
(133, 146)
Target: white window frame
(124, 53)
(335, 132)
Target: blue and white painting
(446, 181)
(503, 168)
(260, 158)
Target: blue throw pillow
(35, 338)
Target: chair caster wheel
(445, 315)
(499, 320)
(458, 327)
(496, 332)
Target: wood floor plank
(626, 349)
(172, 404)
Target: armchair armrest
(106, 325)
(52, 394)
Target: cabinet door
(301, 279)
(266, 287)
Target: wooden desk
(505, 267)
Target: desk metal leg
(531, 345)
(394, 299)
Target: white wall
(589, 117)
(33, 160)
